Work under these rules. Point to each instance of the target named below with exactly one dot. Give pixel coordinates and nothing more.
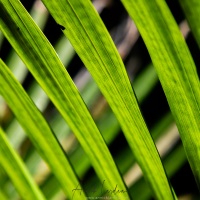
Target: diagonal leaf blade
(42, 61)
(15, 168)
(85, 30)
(37, 129)
(192, 12)
(176, 71)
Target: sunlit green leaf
(175, 68)
(85, 30)
(42, 61)
(17, 171)
(37, 129)
(192, 12)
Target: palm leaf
(79, 21)
(83, 27)
(15, 168)
(192, 13)
(37, 129)
(175, 68)
(41, 60)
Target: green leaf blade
(37, 129)
(176, 71)
(192, 12)
(41, 60)
(91, 41)
(17, 171)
